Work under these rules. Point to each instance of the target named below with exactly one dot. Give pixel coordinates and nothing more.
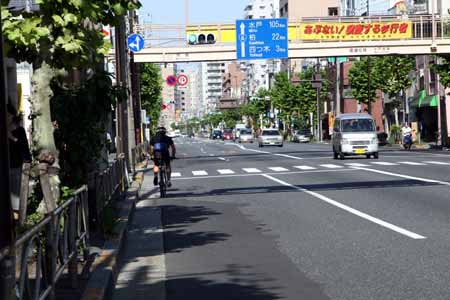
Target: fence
(103, 188)
(61, 240)
(138, 154)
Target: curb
(105, 267)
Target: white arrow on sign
(242, 40)
(135, 45)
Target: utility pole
(369, 100)
(7, 232)
(337, 105)
(122, 106)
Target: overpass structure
(308, 38)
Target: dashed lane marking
(251, 170)
(225, 171)
(278, 169)
(199, 173)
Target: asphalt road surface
(243, 222)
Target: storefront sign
(356, 31)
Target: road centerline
(349, 209)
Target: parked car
(216, 134)
(245, 136)
(354, 134)
(228, 134)
(302, 136)
(270, 137)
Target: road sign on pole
(171, 80)
(261, 38)
(135, 42)
(182, 80)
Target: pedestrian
(19, 153)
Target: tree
(443, 69)
(363, 86)
(60, 35)
(307, 95)
(393, 73)
(151, 88)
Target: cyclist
(159, 150)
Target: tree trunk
(43, 138)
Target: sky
(200, 11)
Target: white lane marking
(441, 163)
(405, 176)
(199, 173)
(278, 169)
(356, 165)
(225, 171)
(350, 210)
(305, 168)
(259, 174)
(222, 158)
(251, 170)
(331, 166)
(383, 163)
(411, 163)
(176, 174)
(288, 156)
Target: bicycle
(163, 178)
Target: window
(262, 17)
(286, 8)
(332, 11)
(281, 12)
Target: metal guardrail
(103, 188)
(138, 154)
(58, 242)
(46, 250)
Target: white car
(245, 136)
(354, 134)
(270, 137)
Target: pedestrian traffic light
(201, 38)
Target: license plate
(360, 151)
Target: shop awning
(422, 100)
(429, 101)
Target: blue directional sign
(135, 42)
(262, 38)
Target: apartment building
(232, 87)
(212, 73)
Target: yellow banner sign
(356, 31)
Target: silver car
(245, 136)
(270, 137)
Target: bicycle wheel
(162, 182)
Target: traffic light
(201, 38)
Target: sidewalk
(142, 266)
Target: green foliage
(359, 79)
(151, 88)
(63, 33)
(80, 134)
(443, 69)
(393, 73)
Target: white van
(354, 134)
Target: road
(243, 222)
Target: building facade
(233, 94)
(212, 73)
(168, 97)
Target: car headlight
(374, 141)
(345, 142)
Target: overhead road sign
(135, 42)
(262, 38)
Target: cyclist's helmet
(161, 129)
